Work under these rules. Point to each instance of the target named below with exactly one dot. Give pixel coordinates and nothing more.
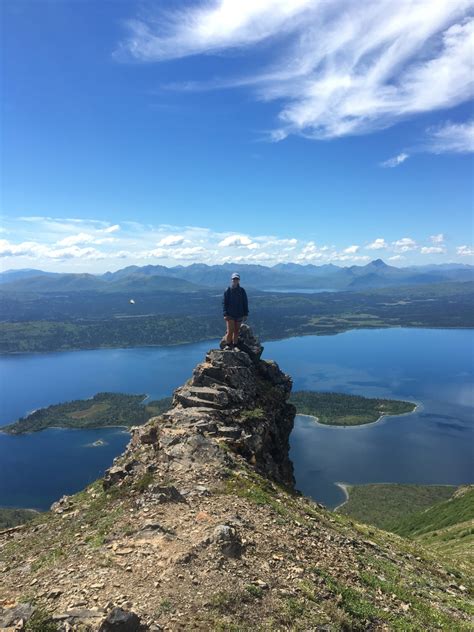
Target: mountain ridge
(286, 276)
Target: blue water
(298, 290)
(432, 367)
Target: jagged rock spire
(233, 397)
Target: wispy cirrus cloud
(340, 67)
(446, 138)
(450, 137)
(395, 161)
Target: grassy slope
(11, 517)
(390, 569)
(447, 527)
(430, 514)
(385, 504)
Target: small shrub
(142, 483)
(41, 621)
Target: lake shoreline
(277, 339)
(418, 406)
(31, 432)
(345, 489)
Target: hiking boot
(228, 347)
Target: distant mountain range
(283, 276)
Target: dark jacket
(235, 303)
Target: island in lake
(120, 409)
(102, 410)
(340, 409)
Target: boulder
(119, 620)
(227, 539)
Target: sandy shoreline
(344, 487)
(28, 432)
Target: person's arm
(246, 303)
(225, 302)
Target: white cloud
(341, 67)
(36, 250)
(348, 257)
(396, 258)
(465, 251)
(451, 138)
(430, 250)
(377, 244)
(171, 240)
(174, 253)
(80, 238)
(239, 241)
(46, 245)
(395, 161)
(112, 229)
(84, 238)
(404, 244)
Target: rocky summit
(198, 526)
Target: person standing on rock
(236, 310)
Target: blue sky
(258, 131)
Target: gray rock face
(9, 617)
(119, 620)
(233, 397)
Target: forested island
(339, 409)
(121, 409)
(102, 410)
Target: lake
(433, 367)
(297, 290)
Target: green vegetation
(447, 528)
(339, 409)
(13, 517)
(37, 322)
(104, 409)
(385, 504)
(459, 508)
(387, 582)
(391, 568)
(433, 515)
(41, 621)
(144, 481)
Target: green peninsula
(339, 409)
(102, 410)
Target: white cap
(236, 275)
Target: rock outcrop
(233, 398)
